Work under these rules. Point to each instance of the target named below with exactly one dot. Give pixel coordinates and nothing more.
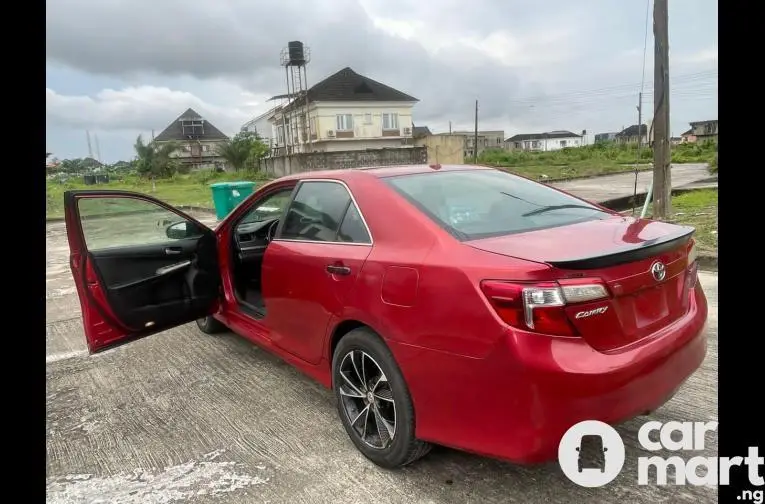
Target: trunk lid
(643, 263)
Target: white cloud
(143, 108)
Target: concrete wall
(315, 161)
(443, 149)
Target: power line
(710, 75)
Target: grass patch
(599, 159)
(698, 209)
(190, 189)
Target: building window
(390, 121)
(280, 135)
(367, 118)
(205, 148)
(314, 126)
(344, 122)
(499, 141)
(563, 143)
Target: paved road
(615, 186)
(182, 417)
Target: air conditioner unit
(407, 131)
(331, 133)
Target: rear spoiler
(629, 253)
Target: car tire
(210, 325)
(390, 400)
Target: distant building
(605, 137)
(420, 131)
(493, 139)
(632, 134)
(345, 111)
(688, 137)
(544, 142)
(705, 131)
(262, 126)
(197, 140)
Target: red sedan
(455, 305)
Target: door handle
(173, 267)
(336, 269)
(172, 250)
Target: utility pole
(450, 127)
(640, 138)
(475, 135)
(662, 175)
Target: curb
(196, 208)
(624, 203)
(567, 179)
(180, 207)
(707, 262)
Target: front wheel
(374, 402)
(210, 325)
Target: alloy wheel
(367, 399)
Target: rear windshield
(484, 203)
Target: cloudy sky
(120, 68)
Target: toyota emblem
(659, 271)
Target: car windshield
(476, 204)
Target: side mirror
(180, 230)
(605, 449)
(577, 448)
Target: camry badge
(590, 313)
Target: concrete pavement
(610, 187)
(182, 417)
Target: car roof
(381, 171)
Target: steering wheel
(271, 230)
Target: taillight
(540, 307)
(691, 272)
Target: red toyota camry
(456, 305)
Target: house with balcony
(197, 141)
(346, 111)
(544, 142)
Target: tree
(258, 150)
(154, 160)
(236, 151)
(244, 149)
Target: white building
(544, 142)
(262, 127)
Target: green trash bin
(227, 195)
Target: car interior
(252, 235)
(320, 212)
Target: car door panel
(311, 267)
(296, 279)
(127, 265)
(143, 283)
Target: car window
(353, 229)
(124, 222)
(475, 204)
(316, 212)
(271, 207)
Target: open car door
(140, 266)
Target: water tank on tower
(296, 53)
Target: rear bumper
(517, 403)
